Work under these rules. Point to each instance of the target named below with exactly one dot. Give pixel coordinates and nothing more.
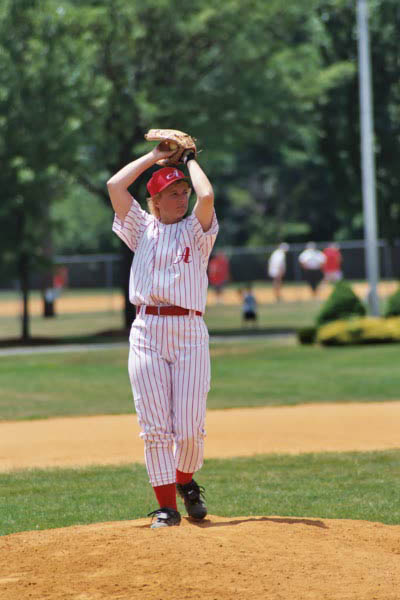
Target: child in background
(249, 306)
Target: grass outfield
(336, 486)
(244, 373)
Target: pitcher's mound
(279, 558)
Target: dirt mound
(277, 558)
(263, 558)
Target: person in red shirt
(218, 273)
(333, 262)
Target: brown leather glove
(172, 138)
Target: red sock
(166, 495)
(183, 478)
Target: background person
(218, 273)
(249, 306)
(169, 360)
(312, 261)
(277, 268)
(333, 262)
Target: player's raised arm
(204, 207)
(119, 183)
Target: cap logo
(172, 175)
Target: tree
(235, 75)
(339, 139)
(41, 99)
(260, 85)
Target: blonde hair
(153, 210)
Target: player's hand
(164, 150)
(188, 155)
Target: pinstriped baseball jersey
(170, 262)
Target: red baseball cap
(163, 178)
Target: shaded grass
(330, 485)
(255, 373)
(278, 316)
(220, 318)
(65, 326)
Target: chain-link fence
(246, 265)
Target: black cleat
(191, 494)
(165, 517)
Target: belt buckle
(158, 309)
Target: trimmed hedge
(341, 304)
(393, 305)
(307, 335)
(368, 330)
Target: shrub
(393, 305)
(307, 335)
(341, 304)
(367, 330)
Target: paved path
(57, 349)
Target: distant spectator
(59, 282)
(333, 263)
(249, 306)
(60, 279)
(218, 273)
(277, 268)
(312, 261)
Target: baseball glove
(175, 139)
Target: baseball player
(169, 363)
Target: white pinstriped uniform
(169, 362)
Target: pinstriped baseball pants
(169, 370)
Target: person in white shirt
(169, 362)
(277, 268)
(312, 261)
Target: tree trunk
(48, 306)
(126, 254)
(24, 281)
(129, 309)
(47, 279)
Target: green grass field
(255, 373)
(245, 373)
(335, 486)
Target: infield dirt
(267, 557)
(88, 303)
(235, 432)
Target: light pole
(367, 157)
